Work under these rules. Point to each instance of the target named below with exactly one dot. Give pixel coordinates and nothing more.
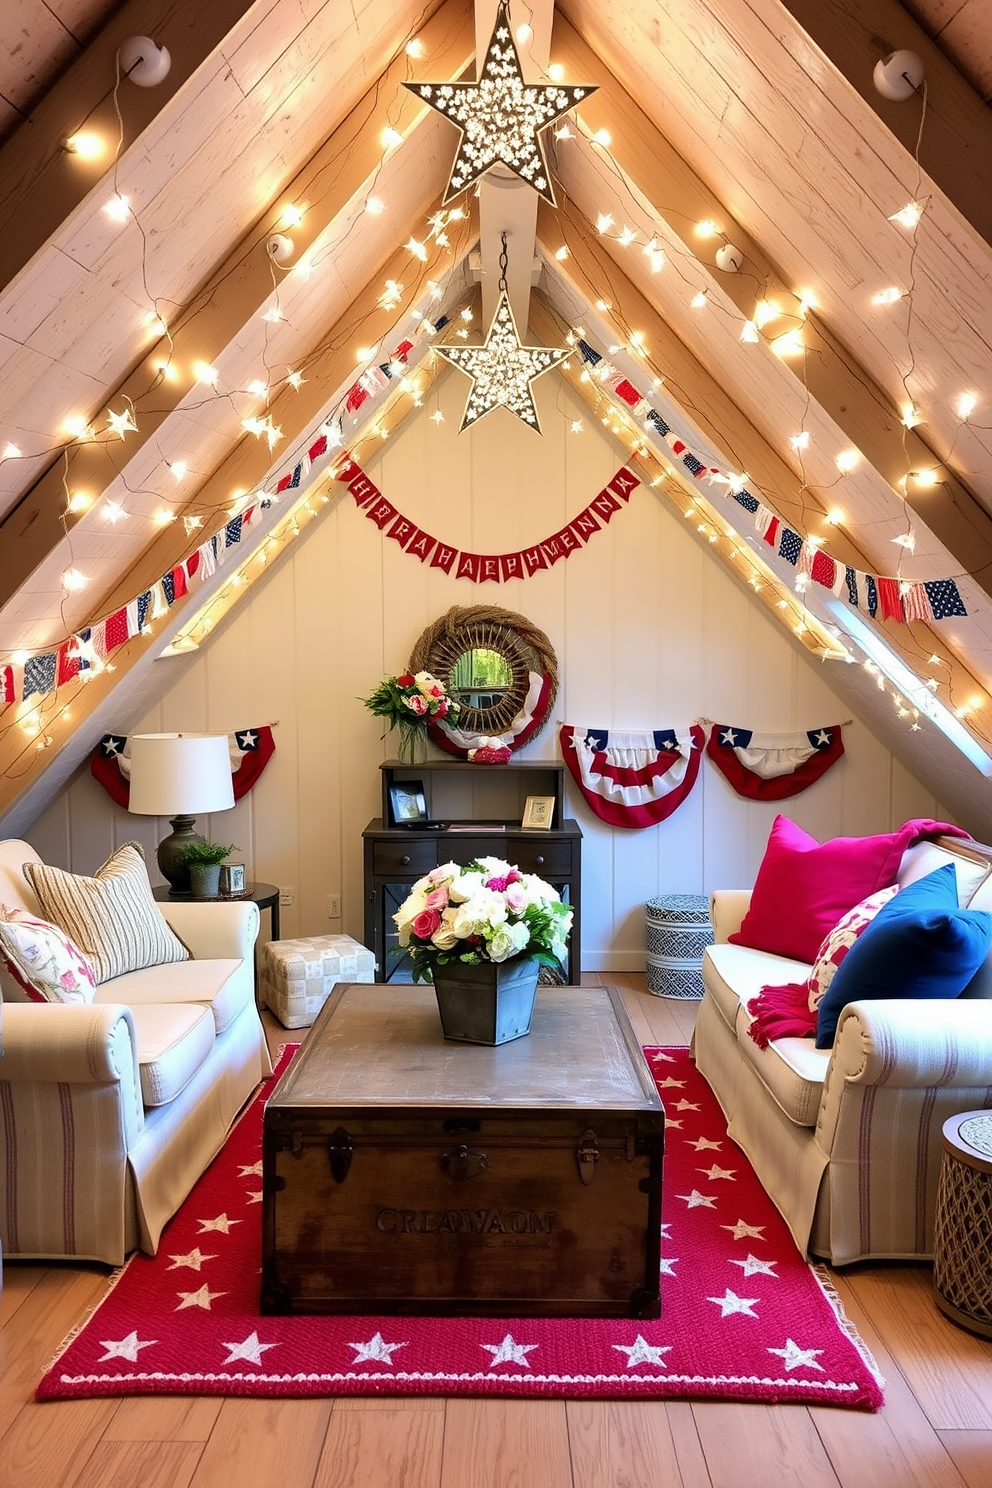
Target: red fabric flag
(824, 570)
(534, 559)
(771, 532)
(605, 504)
(68, 664)
(355, 398)
(316, 450)
(568, 540)
(364, 491)
(553, 550)
(511, 566)
(623, 483)
(489, 569)
(916, 603)
(347, 470)
(468, 566)
(585, 524)
(6, 684)
(381, 512)
(444, 557)
(421, 544)
(116, 629)
(889, 598)
(179, 586)
(193, 563)
(402, 530)
(627, 392)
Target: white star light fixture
(502, 370)
(500, 118)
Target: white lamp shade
(180, 774)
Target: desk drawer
(412, 855)
(549, 859)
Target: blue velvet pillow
(920, 944)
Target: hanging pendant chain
(503, 261)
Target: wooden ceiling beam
(41, 182)
(655, 172)
(232, 294)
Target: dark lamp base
(172, 853)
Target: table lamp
(179, 776)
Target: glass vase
(413, 744)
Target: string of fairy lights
(391, 389)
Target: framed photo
(407, 801)
(232, 878)
(538, 813)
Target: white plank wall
(649, 630)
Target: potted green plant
(203, 860)
(480, 934)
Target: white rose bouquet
(486, 911)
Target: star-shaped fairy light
(502, 370)
(500, 118)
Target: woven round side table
(678, 932)
(962, 1241)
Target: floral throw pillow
(840, 940)
(42, 959)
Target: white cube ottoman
(296, 976)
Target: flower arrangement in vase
(479, 931)
(410, 701)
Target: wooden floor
(934, 1432)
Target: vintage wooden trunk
(405, 1174)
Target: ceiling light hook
(503, 261)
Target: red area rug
(744, 1317)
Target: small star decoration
(502, 370)
(500, 118)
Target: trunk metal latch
(587, 1155)
(339, 1153)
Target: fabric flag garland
(632, 778)
(249, 749)
(772, 767)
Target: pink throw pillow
(803, 888)
(841, 939)
(42, 959)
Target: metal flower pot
(487, 1004)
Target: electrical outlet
(287, 898)
(334, 906)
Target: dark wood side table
(265, 895)
(962, 1241)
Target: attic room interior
(624, 367)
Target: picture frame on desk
(407, 802)
(538, 814)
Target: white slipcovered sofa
(111, 1110)
(847, 1141)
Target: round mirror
(502, 670)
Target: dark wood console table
(481, 807)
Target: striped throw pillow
(112, 916)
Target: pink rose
(441, 709)
(434, 690)
(427, 922)
(437, 898)
(416, 704)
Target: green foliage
(207, 853)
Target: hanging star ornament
(502, 370)
(500, 118)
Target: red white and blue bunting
(891, 598)
(772, 767)
(482, 568)
(632, 778)
(638, 778)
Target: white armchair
(110, 1111)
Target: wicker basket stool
(679, 931)
(962, 1241)
(296, 976)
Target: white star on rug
(255, 1197)
(509, 1351)
(250, 1350)
(249, 1170)
(715, 1172)
(203, 1298)
(666, 1265)
(696, 1200)
(703, 1144)
(740, 1230)
(671, 1124)
(125, 1348)
(643, 1352)
(671, 1084)
(660, 1057)
(666, 1226)
(730, 1303)
(221, 1223)
(793, 1356)
(684, 1105)
(194, 1259)
(753, 1267)
(376, 1350)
